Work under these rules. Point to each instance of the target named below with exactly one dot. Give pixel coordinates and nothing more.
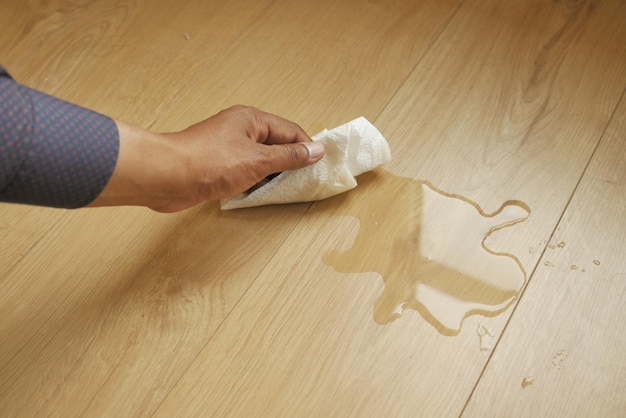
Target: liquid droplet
(485, 338)
(429, 248)
(527, 381)
(558, 358)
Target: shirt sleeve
(52, 153)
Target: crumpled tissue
(351, 149)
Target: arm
(220, 157)
(53, 153)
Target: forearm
(220, 157)
(53, 153)
(150, 171)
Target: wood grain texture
(130, 294)
(124, 298)
(21, 227)
(113, 57)
(320, 64)
(117, 57)
(509, 103)
(126, 312)
(566, 339)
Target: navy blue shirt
(52, 153)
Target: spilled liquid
(429, 248)
(527, 381)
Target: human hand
(220, 157)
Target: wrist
(150, 171)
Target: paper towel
(351, 149)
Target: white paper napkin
(351, 149)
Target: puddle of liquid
(429, 248)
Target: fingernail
(315, 149)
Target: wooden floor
(126, 312)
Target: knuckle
(296, 152)
(240, 111)
(239, 108)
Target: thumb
(292, 156)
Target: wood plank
(115, 303)
(509, 103)
(563, 352)
(113, 57)
(116, 57)
(21, 227)
(124, 298)
(322, 63)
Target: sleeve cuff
(62, 155)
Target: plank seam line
(194, 81)
(444, 27)
(235, 305)
(43, 235)
(554, 230)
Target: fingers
(284, 157)
(282, 131)
(270, 129)
(291, 148)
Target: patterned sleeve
(52, 153)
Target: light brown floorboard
(107, 312)
(509, 103)
(128, 60)
(563, 352)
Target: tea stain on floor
(429, 247)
